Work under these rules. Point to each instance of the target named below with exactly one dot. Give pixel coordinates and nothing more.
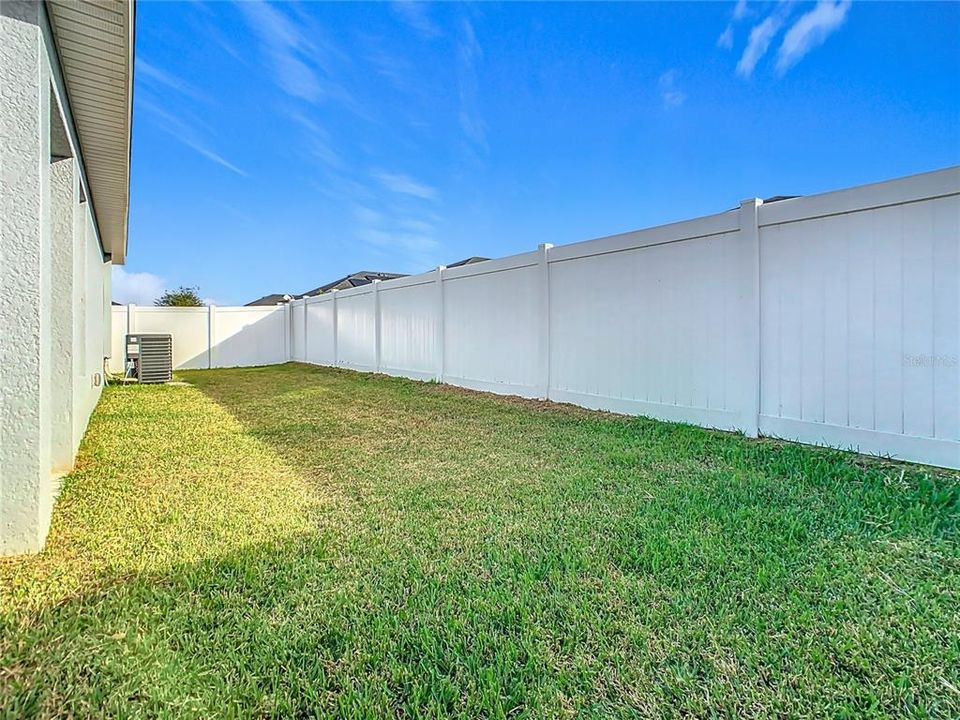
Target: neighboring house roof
(95, 42)
(364, 277)
(773, 199)
(468, 261)
(272, 299)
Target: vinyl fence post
(210, 311)
(305, 328)
(336, 354)
(750, 230)
(439, 335)
(543, 323)
(376, 325)
(131, 319)
(287, 328)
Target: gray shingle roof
(271, 299)
(364, 277)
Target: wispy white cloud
(202, 6)
(405, 185)
(740, 11)
(416, 225)
(414, 14)
(321, 148)
(138, 288)
(213, 156)
(302, 62)
(337, 185)
(407, 251)
(761, 36)
(725, 40)
(810, 30)
(305, 121)
(408, 241)
(187, 133)
(213, 33)
(244, 215)
(178, 125)
(390, 66)
(318, 141)
(284, 46)
(365, 216)
(471, 120)
(399, 226)
(153, 73)
(671, 95)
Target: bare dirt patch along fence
(830, 319)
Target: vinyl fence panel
(319, 330)
(356, 329)
(297, 330)
(860, 329)
(829, 319)
(491, 318)
(118, 324)
(207, 336)
(189, 327)
(244, 336)
(408, 321)
(657, 330)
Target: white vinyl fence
(207, 337)
(830, 319)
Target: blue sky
(277, 147)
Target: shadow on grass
(489, 557)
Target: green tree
(181, 297)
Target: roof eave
(107, 171)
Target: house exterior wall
(65, 204)
(53, 322)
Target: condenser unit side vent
(152, 356)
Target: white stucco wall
(65, 203)
(54, 305)
(90, 379)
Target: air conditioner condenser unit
(149, 357)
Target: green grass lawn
(300, 541)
